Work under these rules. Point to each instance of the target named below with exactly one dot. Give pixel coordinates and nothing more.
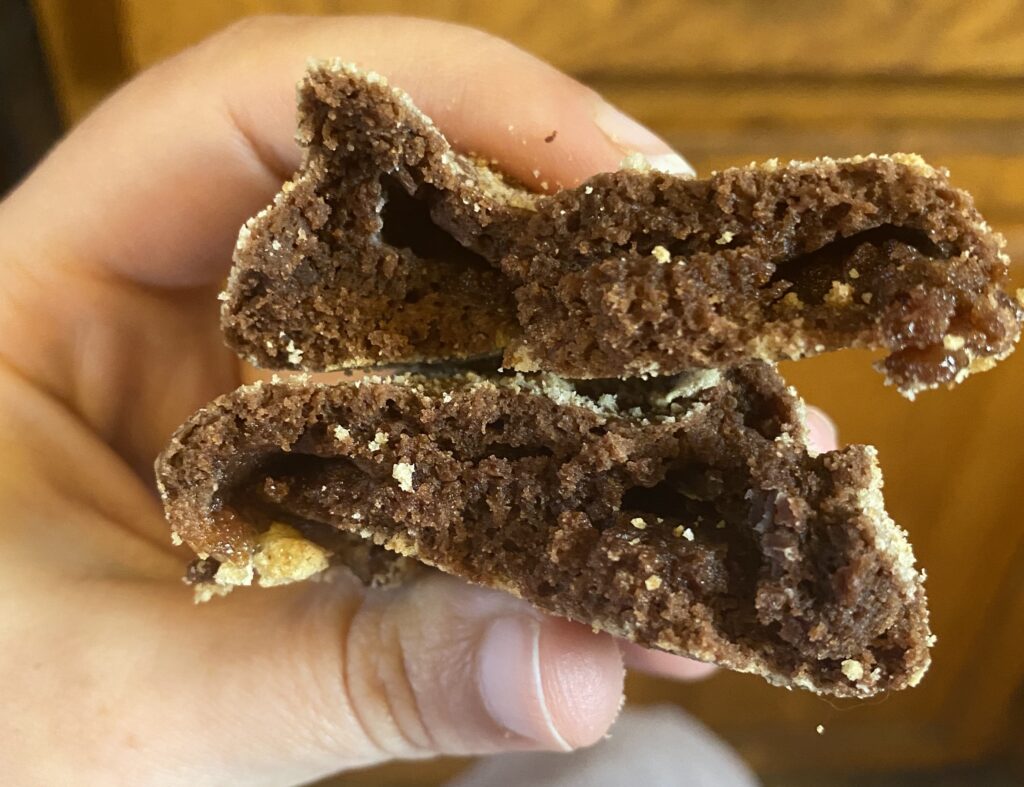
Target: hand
(112, 254)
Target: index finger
(165, 172)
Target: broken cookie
(684, 513)
(390, 247)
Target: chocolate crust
(685, 514)
(389, 247)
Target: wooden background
(728, 81)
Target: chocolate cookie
(685, 513)
(389, 247)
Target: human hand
(112, 255)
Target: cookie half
(390, 247)
(686, 514)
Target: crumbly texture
(685, 514)
(257, 548)
(388, 246)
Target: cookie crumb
(839, 295)
(286, 556)
(661, 254)
(378, 440)
(402, 473)
(852, 669)
(637, 161)
(294, 353)
(792, 300)
(233, 574)
(688, 534)
(638, 523)
(820, 729)
(341, 433)
(725, 238)
(653, 582)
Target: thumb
(290, 684)
(468, 671)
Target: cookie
(390, 247)
(684, 513)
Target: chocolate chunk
(201, 570)
(685, 513)
(389, 247)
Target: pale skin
(111, 256)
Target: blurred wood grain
(695, 38)
(727, 83)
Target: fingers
(466, 670)
(165, 172)
(663, 665)
(290, 684)
(821, 431)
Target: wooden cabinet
(729, 82)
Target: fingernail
(631, 138)
(672, 163)
(821, 431)
(509, 679)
